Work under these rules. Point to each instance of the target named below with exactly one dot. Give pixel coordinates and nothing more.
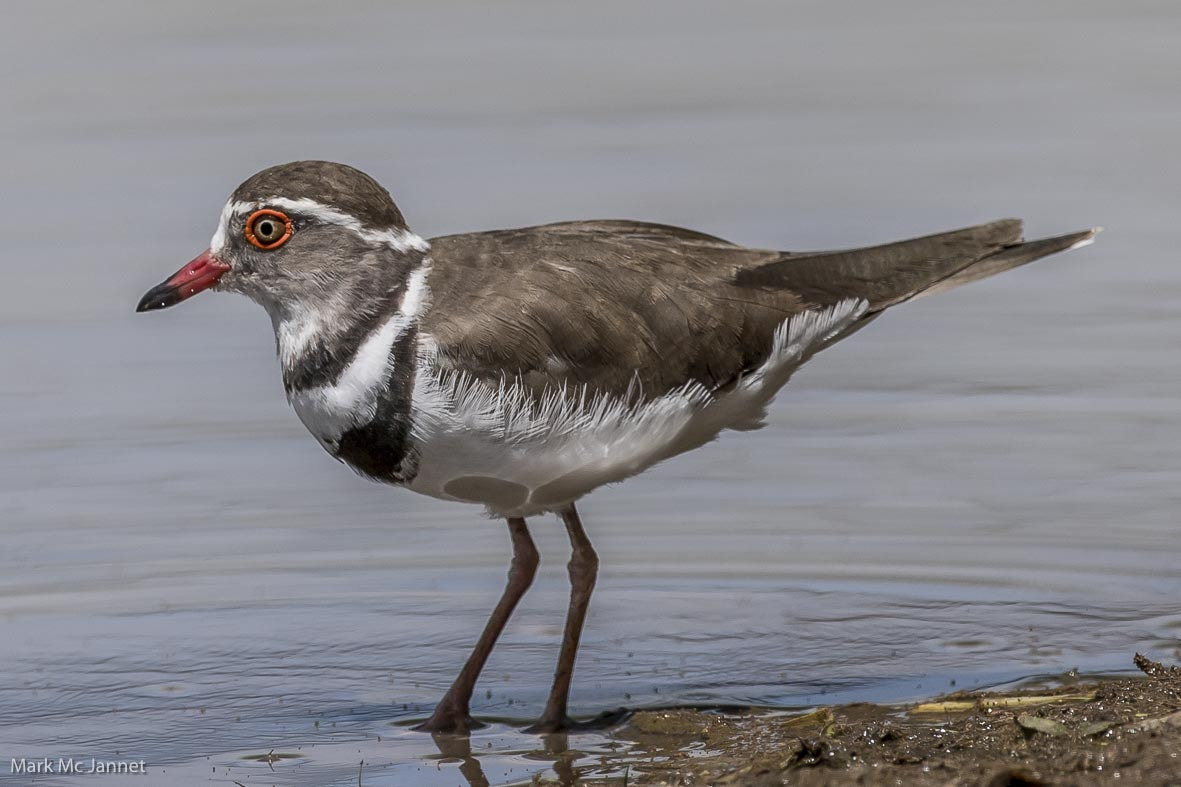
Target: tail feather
(892, 273)
(1013, 257)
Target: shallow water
(982, 488)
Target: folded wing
(634, 309)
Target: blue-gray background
(981, 488)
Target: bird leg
(583, 568)
(452, 714)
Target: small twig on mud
(359, 767)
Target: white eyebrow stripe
(228, 211)
(399, 240)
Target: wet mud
(1120, 730)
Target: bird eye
(268, 229)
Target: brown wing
(614, 303)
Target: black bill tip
(159, 297)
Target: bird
(520, 369)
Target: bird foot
(550, 726)
(447, 721)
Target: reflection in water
(557, 747)
(552, 749)
(980, 489)
(555, 751)
(459, 746)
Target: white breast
(328, 411)
(498, 446)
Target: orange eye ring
(264, 240)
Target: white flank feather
(563, 444)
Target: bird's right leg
(452, 714)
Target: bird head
(293, 233)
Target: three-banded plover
(521, 369)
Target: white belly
(497, 446)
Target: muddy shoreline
(1119, 730)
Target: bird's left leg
(583, 569)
